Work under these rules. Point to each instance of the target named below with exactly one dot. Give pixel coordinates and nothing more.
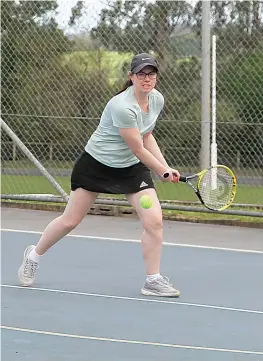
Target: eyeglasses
(141, 75)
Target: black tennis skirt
(96, 177)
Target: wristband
(166, 174)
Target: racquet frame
(200, 175)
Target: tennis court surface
(86, 303)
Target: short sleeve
(160, 101)
(123, 117)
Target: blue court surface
(86, 303)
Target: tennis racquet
(215, 187)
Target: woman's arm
(151, 145)
(134, 141)
(125, 120)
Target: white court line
(145, 343)
(134, 299)
(139, 241)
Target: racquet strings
(221, 195)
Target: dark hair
(125, 86)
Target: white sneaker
(27, 270)
(160, 287)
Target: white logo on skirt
(143, 184)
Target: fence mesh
(61, 63)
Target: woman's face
(145, 80)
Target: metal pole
(205, 124)
(33, 159)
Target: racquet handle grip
(182, 179)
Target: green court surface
(21, 184)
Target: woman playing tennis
(118, 159)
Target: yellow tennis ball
(146, 202)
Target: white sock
(34, 256)
(151, 278)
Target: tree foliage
(26, 46)
(47, 74)
(140, 26)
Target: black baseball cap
(142, 60)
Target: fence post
(205, 123)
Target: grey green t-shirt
(122, 111)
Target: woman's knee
(70, 223)
(153, 224)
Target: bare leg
(80, 201)
(78, 205)
(152, 237)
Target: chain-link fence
(61, 65)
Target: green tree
(140, 26)
(239, 23)
(241, 81)
(29, 41)
(36, 82)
